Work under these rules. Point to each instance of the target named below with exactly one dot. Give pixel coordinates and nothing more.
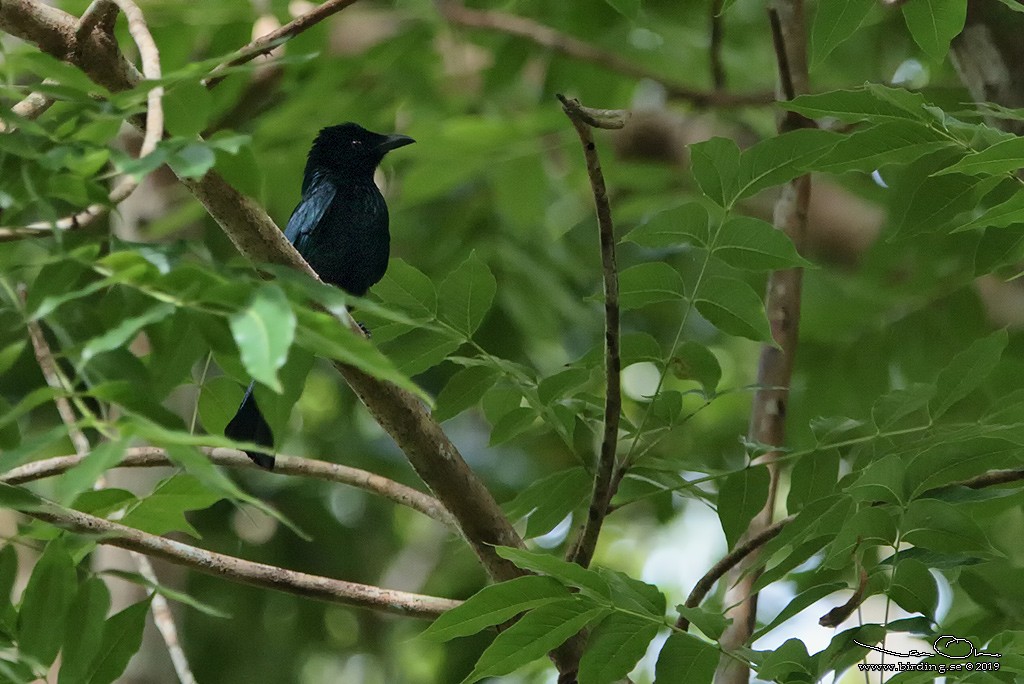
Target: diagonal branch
(583, 118)
(264, 44)
(403, 416)
(239, 570)
(150, 457)
(567, 45)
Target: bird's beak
(395, 141)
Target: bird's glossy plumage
(340, 227)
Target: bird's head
(350, 150)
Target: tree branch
(265, 44)
(704, 584)
(583, 118)
(433, 456)
(150, 457)
(238, 570)
(567, 45)
(782, 305)
(745, 548)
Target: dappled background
(496, 178)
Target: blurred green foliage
(492, 312)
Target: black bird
(340, 227)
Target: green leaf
(627, 8)
(219, 398)
(834, 22)
(549, 500)
(869, 103)
(742, 496)
(264, 331)
(967, 371)
(164, 509)
(325, 336)
(10, 434)
(464, 390)
(170, 594)
(801, 601)
(421, 350)
(466, 295)
(694, 361)
(408, 289)
(633, 595)
(537, 633)
(1006, 156)
(494, 605)
(897, 404)
(685, 658)
(1008, 213)
(755, 245)
(914, 588)
(84, 630)
(937, 525)
(716, 164)
(564, 571)
(192, 161)
(933, 204)
(890, 142)
(649, 283)
(1013, 4)
(712, 624)
(122, 636)
(125, 331)
(615, 647)
(780, 159)
(814, 477)
(84, 475)
(870, 526)
(555, 387)
(882, 480)
(687, 224)
(789, 662)
(513, 424)
(933, 23)
(187, 108)
(733, 307)
(45, 603)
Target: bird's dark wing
(309, 213)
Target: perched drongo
(340, 227)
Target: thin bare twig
(549, 38)
(238, 570)
(582, 119)
(265, 44)
(782, 306)
(31, 107)
(54, 379)
(715, 47)
(151, 457)
(704, 584)
(164, 619)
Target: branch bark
(151, 457)
(256, 236)
(583, 118)
(567, 45)
(782, 305)
(239, 570)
